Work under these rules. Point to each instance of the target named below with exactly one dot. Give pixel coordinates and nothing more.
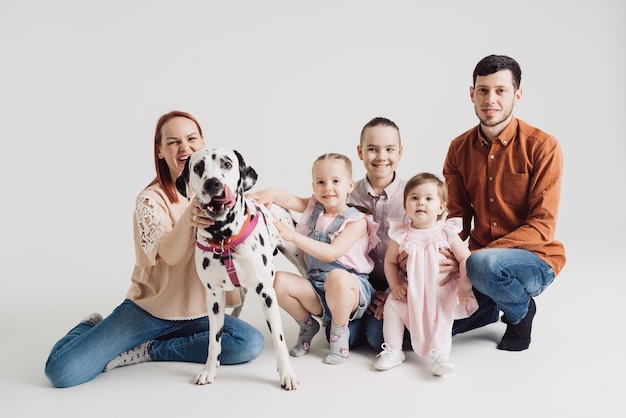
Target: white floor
(574, 368)
(286, 81)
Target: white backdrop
(82, 84)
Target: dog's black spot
(269, 326)
(216, 308)
(275, 251)
(261, 240)
(218, 335)
(281, 337)
(264, 258)
(198, 169)
(205, 263)
(259, 288)
(268, 301)
(208, 285)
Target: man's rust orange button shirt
(507, 191)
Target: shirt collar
(387, 191)
(505, 137)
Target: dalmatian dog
(238, 250)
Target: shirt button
(495, 224)
(492, 156)
(490, 178)
(491, 199)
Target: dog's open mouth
(220, 204)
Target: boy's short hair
(379, 121)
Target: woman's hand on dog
(198, 217)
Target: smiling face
(332, 182)
(179, 139)
(423, 205)
(494, 97)
(380, 151)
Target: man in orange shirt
(504, 181)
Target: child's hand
(263, 197)
(467, 301)
(284, 231)
(398, 292)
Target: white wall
(82, 84)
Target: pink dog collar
(225, 247)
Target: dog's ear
(247, 173)
(182, 181)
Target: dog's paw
(289, 382)
(205, 376)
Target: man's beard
(491, 122)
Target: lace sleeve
(149, 219)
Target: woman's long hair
(163, 177)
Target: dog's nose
(213, 186)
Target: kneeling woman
(164, 316)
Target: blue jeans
(83, 353)
(369, 328)
(504, 279)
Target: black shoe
(517, 337)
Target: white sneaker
(388, 358)
(440, 364)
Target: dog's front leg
(288, 379)
(216, 305)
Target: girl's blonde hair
(335, 156)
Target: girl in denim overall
(318, 271)
(336, 240)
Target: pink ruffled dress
(429, 309)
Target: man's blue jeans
(83, 353)
(504, 279)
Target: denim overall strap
(319, 208)
(341, 218)
(315, 265)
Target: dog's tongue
(226, 200)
